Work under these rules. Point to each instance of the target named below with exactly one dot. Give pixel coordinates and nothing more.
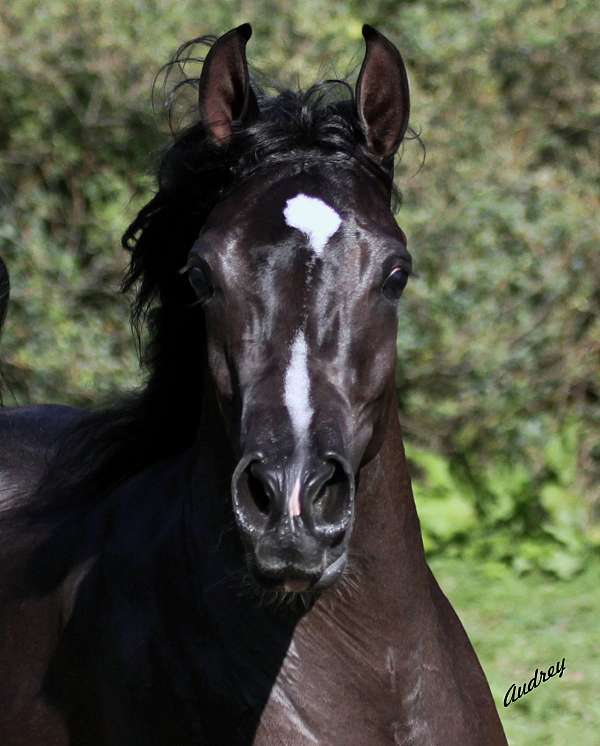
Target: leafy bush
(505, 514)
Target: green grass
(519, 623)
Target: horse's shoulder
(28, 437)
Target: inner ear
(382, 95)
(225, 94)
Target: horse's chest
(324, 699)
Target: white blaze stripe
(296, 387)
(318, 222)
(297, 401)
(314, 218)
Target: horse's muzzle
(295, 516)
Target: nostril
(250, 494)
(331, 498)
(318, 485)
(260, 491)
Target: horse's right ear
(382, 95)
(225, 95)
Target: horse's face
(302, 275)
(300, 271)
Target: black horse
(233, 555)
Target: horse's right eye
(199, 277)
(395, 283)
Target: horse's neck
(387, 573)
(387, 531)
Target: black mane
(111, 444)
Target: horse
(232, 554)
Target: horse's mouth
(294, 582)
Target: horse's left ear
(382, 96)
(225, 94)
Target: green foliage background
(499, 340)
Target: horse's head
(299, 269)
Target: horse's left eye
(199, 277)
(395, 283)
